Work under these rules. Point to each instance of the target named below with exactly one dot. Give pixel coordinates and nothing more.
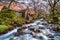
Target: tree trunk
(26, 14)
(10, 3)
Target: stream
(38, 23)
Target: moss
(3, 28)
(18, 20)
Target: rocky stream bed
(39, 30)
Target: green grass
(3, 28)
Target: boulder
(20, 31)
(37, 31)
(31, 28)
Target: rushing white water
(9, 33)
(45, 38)
(27, 36)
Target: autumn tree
(35, 6)
(38, 5)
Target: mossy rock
(3, 29)
(20, 31)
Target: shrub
(9, 17)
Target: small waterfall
(9, 33)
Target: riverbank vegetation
(9, 20)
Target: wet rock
(41, 37)
(41, 27)
(44, 24)
(37, 31)
(50, 36)
(57, 29)
(50, 25)
(33, 34)
(23, 27)
(31, 28)
(20, 31)
(16, 34)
